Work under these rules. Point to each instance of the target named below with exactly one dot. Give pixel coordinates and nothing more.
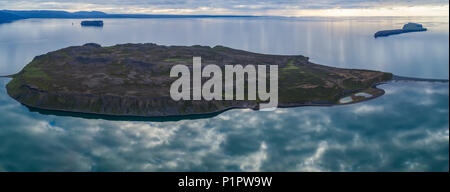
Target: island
(407, 28)
(134, 80)
(98, 23)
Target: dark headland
(407, 28)
(14, 15)
(133, 80)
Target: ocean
(407, 129)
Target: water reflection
(405, 130)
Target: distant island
(97, 23)
(407, 28)
(6, 17)
(133, 80)
(14, 15)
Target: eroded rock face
(133, 80)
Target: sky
(249, 7)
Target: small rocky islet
(96, 23)
(134, 80)
(407, 28)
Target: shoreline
(93, 115)
(403, 78)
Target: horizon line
(212, 15)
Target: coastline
(158, 118)
(94, 115)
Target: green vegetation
(32, 71)
(290, 66)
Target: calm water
(405, 130)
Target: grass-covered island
(133, 80)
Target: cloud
(311, 164)
(366, 109)
(249, 7)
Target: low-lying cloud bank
(250, 7)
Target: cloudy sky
(249, 7)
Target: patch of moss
(353, 84)
(34, 72)
(290, 66)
